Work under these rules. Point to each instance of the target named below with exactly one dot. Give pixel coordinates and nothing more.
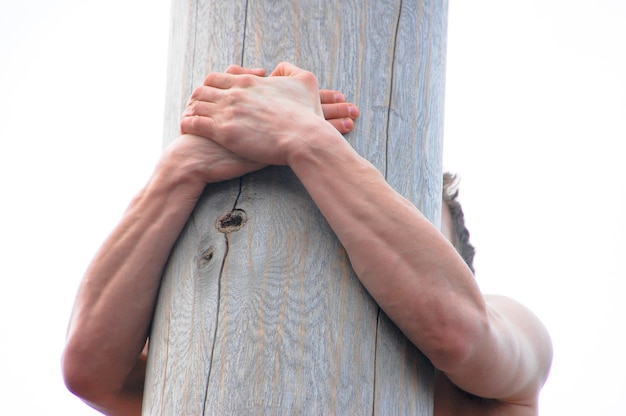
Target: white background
(535, 124)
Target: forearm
(116, 298)
(407, 266)
(416, 276)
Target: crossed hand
(259, 120)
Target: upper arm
(512, 362)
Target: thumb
(305, 84)
(285, 69)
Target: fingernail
(339, 98)
(353, 111)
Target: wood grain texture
(270, 318)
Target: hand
(259, 118)
(207, 161)
(214, 162)
(337, 111)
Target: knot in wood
(231, 221)
(205, 257)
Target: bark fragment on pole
(259, 310)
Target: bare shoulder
(509, 363)
(508, 370)
(527, 327)
(526, 339)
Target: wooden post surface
(259, 310)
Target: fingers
(201, 108)
(226, 80)
(197, 125)
(219, 80)
(223, 81)
(202, 98)
(331, 97)
(343, 125)
(239, 70)
(235, 75)
(339, 113)
(284, 69)
(198, 116)
(204, 94)
(340, 110)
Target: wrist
(180, 167)
(316, 140)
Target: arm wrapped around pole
(259, 309)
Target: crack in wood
(387, 132)
(232, 221)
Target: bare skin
(489, 347)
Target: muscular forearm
(114, 306)
(102, 360)
(406, 264)
(408, 267)
(419, 280)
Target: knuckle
(230, 113)
(192, 108)
(184, 125)
(191, 124)
(234, 96)
(196, 94)
(211, 78)
(246, 80)
(309, 76)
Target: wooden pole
(259, 310)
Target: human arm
(487, 347)
(105, 355)
(103, 361)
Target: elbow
(450, 352)
(73, 373)
(77, 375)
(455, 344)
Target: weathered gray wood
(267, 316)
